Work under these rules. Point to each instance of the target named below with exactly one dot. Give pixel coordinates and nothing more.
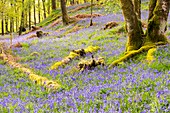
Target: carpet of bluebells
(131, 87)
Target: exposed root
(150, 58)
(110, 25)
(131, 54)
(74, 54)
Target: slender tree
(91, 20)
(49, 6)
(34, 12)
(2, 24)
(6, 24)
(39, 12)
(44, 9)
(53, 4)
(65, 16)
(29, 15)
(22, 19)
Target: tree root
(48, 84)
(131, 54)
(74, 54)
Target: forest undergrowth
(134, 86)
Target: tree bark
(49, 6)
(2, 24)
(6, 24)
(34, 13)
(44, 9)
(22, 19)
(29, 14)
(133, 26)
(53, 4)
(137, 7)
(157, 22)
(65, 16)
(39, 12)
(91, 19)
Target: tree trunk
(29, 15)
(6, 24)
(44, 9)
(133, 26)
(65, 16)
(137, 7)
(53, 4)
(49, 6)
(11, 21)
(11, 24)
(157, 22)
(22, 19)
(39, 12)
(91, 19)
(2, 24)
(34, 13)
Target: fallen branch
(49, 84)
(90, 64)
(74, 54)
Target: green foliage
(162, 62)
(112, 6)
(25, 45)
(52, 17)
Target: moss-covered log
(74, 54)
(9, 59)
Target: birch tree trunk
(133, 26)
(157, 21)
(65, 16)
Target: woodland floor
(133, 86)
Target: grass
(132, 86)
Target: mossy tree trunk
(133, 26)
(137, 7)
(65, 17)
(157, 21)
